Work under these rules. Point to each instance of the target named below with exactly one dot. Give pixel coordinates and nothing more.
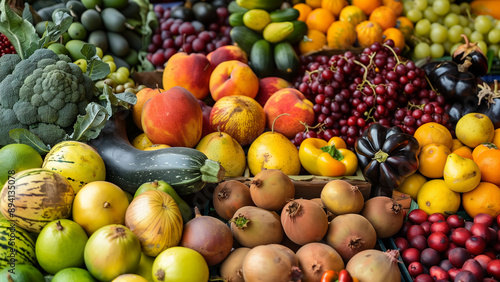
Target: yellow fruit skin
(411, 185)
(273, 151)
(221, 147)
(461, 174)
(474, 129)
(78, 162)
(435, 197)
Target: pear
(461, 174)
(273, 150)
(223, 148)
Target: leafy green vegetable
(96, 69)
(24, 136)
(20, 32)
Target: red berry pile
(350, 91)
(5, 46)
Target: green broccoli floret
(44, 94)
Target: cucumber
(236, 19)
(298, 33)
(277, 32)
(288, 14)
(268, 5)
(261, 58)
(244, 37)
(286, 59)
(233, 7)
(185, 169)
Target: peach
(294, 103)
(191, 72)
(227, 53)
(239, 116)
(142, 97)
(268, 86)
(233, 78)
(173, 117)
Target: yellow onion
(156, 220)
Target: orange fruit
(314, 3)
(304, 11)
(395, 5)
(464, 152)
(316, 40)
(334, 6)
(485, 198)
(367, 5)
(433, 132)
(489, 165)
(396, 35)
(406, 26)
(352, 14)
(320, 19)
(432, 159)
(479, 149)
(496, 138)
(384, 16)
(456, 144)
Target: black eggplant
(452, 80)
(489, 102)
(387, 156)
(469, 50)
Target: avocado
(91, 20)
(113, 20)
(99, 39)
(118, 45)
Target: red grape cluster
(176, 35)
(350, 91)
(5, 46)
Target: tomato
(329, 276)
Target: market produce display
(249, 140)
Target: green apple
(163, 186)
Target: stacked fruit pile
(199, 29)
(449, 248)
(352, 90)
(114, 26)
(439, 25)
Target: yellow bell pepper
(319, 157)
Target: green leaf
(126, 99)
(96, 69)
(89, 126)
(336, 154)
(24, 136)
(27, 15)
(20, 32)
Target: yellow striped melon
(78, 162)
(16, 246)
(34, 197)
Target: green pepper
(386, 156)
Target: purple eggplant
(470, 50)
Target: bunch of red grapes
(350, 91)
(176, 35)
(5, 46)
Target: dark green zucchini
(244, 37)
(236, 19)
(185, 169)
(261, 58)
(298, 33)
(288, 14)
(286, 59)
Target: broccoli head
(43, 93)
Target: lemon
(435, 197)
(474, 129)
(256, 19)
(411, 185)
(15, 158)
(141, 142)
